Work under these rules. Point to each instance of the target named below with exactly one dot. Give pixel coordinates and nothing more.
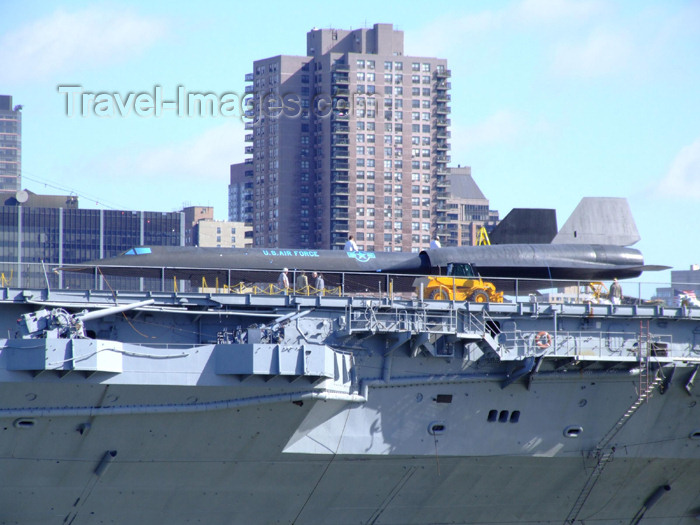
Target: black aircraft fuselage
(548, 262)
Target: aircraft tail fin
(526, 226)
(600, 220)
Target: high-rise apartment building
(240, 193)
(351, 139)
(10, 145)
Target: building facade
(193, 216)
(224, 234)
(240, 193)
(467, 210)
(34, 240)
(10, 146)
(351, 139)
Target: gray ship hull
(350, 411)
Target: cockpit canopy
(139, 250)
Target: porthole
(493, 416)
(436, 428)
(573, 431)
(503, 416)
(24, 422)
(515, 416)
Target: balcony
(249, 150)
(248, 161)
(340, 227)
(443, 122)
(442, 146)
(443, 158)
(339, 153)
(249, 77)
(442, 109)
(249, 89)
(340, 79)
(339, 128)
(443, 98)
(445, 73)
(340, 141)
(249, 125)
(339, 190)
(249, 137)
(340, 215)
(341, 115)
(340, 165)
(442, 85)
(340, 176)
(339, 202)
(340, 92)
(442, 195)
(442, 134)
(341, 67)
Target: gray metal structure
(240, 409)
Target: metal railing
(245, 281)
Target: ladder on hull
(604, 454)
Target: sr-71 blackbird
(591, 246)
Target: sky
(552, 100)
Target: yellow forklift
(460, 284)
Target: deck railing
(263, 282)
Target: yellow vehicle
(461, 284)
(598, 291)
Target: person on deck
(615, 294)
(303, 284)
(350, 245)
(283, 281)
(319, 283)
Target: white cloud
(450, 33)
(556, 11)
(204, 158)
(142, 176)
(69, 41)
(602, 53)
(683, 177)
(502, 127)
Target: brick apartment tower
(351, 139)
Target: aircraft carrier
(121, 407)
